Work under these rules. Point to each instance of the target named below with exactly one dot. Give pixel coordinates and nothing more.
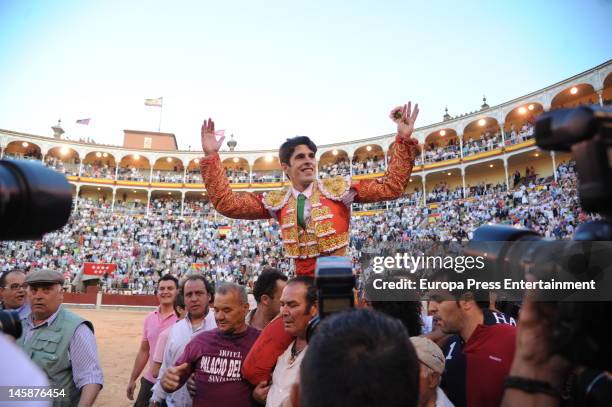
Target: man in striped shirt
(60, 342)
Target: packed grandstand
(147, 211)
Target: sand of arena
(118, 334)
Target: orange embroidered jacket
(327, 231)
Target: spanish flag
(224, 231)
(154, 102)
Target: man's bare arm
(89, 392)
(139, 364)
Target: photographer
(538, 377)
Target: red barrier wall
(134, 300)
(80, 298)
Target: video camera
(579, 332)
(335, 282)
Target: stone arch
(575, 95)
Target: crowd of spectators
(237, 175)
(98, 169)
(526, 132)
(147, 246)
(434, 153)
(371, 165)
(68, 167)
(267, 176)
(488, 141)
(193, 177)
(131, 173)
(173, 176)
(340, 166)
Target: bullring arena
(146, 212)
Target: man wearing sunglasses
(13, 292)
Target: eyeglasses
(15, 287)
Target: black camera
(335, 282)
(34, 200)
(578, 334)
(10, 323)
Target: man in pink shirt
(162, 339)
(157, 321)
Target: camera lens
(10, 323)
(34, 200)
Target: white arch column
(182, 202)
(148, 200)
(76, 197)
(424, 190)
(506, 173)
(3, 144)
(554, 164)
(113, 201)
(460, 146)
(600, 96)
(463, 182)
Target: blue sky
(331, 70)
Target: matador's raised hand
(405, 117)
(210, 144)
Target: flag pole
(161, 107)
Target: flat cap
(44, 277)
(429, 353)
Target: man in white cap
(432, 366)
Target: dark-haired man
(314, 216)
(267, 291)
(359, 358)
(298, 307)
(13, 292)
(157, 321)
(198, 294)
(479, 355)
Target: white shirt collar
(307, 192)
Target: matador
(314, 216)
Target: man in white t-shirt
(198, 293)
